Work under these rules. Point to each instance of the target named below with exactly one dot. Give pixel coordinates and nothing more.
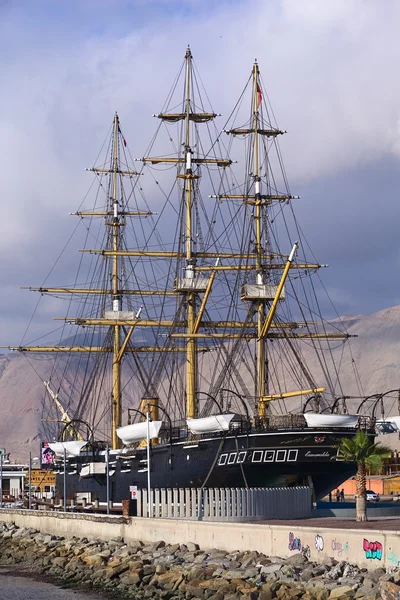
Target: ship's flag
(259, 95)
(123, 139)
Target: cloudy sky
(331, 71)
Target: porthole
(241, 457)
(292, 455)
(280, 455)
(257, 456)
(269, 456)
(222, 459)
(232, 458)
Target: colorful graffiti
(340, 547)
(392, 557)
(372, 549)
(294, 543)
(319, 543)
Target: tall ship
(192, 348)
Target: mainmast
(190, 262)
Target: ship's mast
(260, 384)
(117, 303)
(197, 278)
(190, 262)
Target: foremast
(116, 296)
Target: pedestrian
(337, 494)
(342, 495)
(330, 496)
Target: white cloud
(329, 68)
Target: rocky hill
(372, 359)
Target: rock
(364, 590)
(172, 549)
(336, 571)
(192, 547)
(352, 581)
(340, 592)
(249, 596)
(297, 560)
(265, 594)
(322, 595)
(132, 577)
(195, 591)
(389, 590)
(269, 569)
(195, 573)
(153, 547)
(238, 574)
(376, 574)
(216, 596)
(249, 559)
(306, 574)
(94, 560)
(60, 561)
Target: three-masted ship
(193, 322)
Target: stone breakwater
(185, 572)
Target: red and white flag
(259, 95)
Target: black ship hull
(275, 459)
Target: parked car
(371, 496)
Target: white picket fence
(226, 504)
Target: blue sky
(330, 69)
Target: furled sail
(137, 432)
(211, 424)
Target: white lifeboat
(388, 425)
(211, 424)
(71, 448)
(328, 420)
(137, 432)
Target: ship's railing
(241, 425)
(366, 423)
(225, 504)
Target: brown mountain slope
(375, 351)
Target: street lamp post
(65, 479)
(30, 482)
(1, 480)
(35, 458)
(108, 478)
(149, 507)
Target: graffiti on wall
(340, 548)
(294, 542)
(392, 557)
(319, 543)
(372, 549)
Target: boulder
(389, 590)
(341, 592)
(297, 560)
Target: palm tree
(367, 455)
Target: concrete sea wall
(369, 548)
